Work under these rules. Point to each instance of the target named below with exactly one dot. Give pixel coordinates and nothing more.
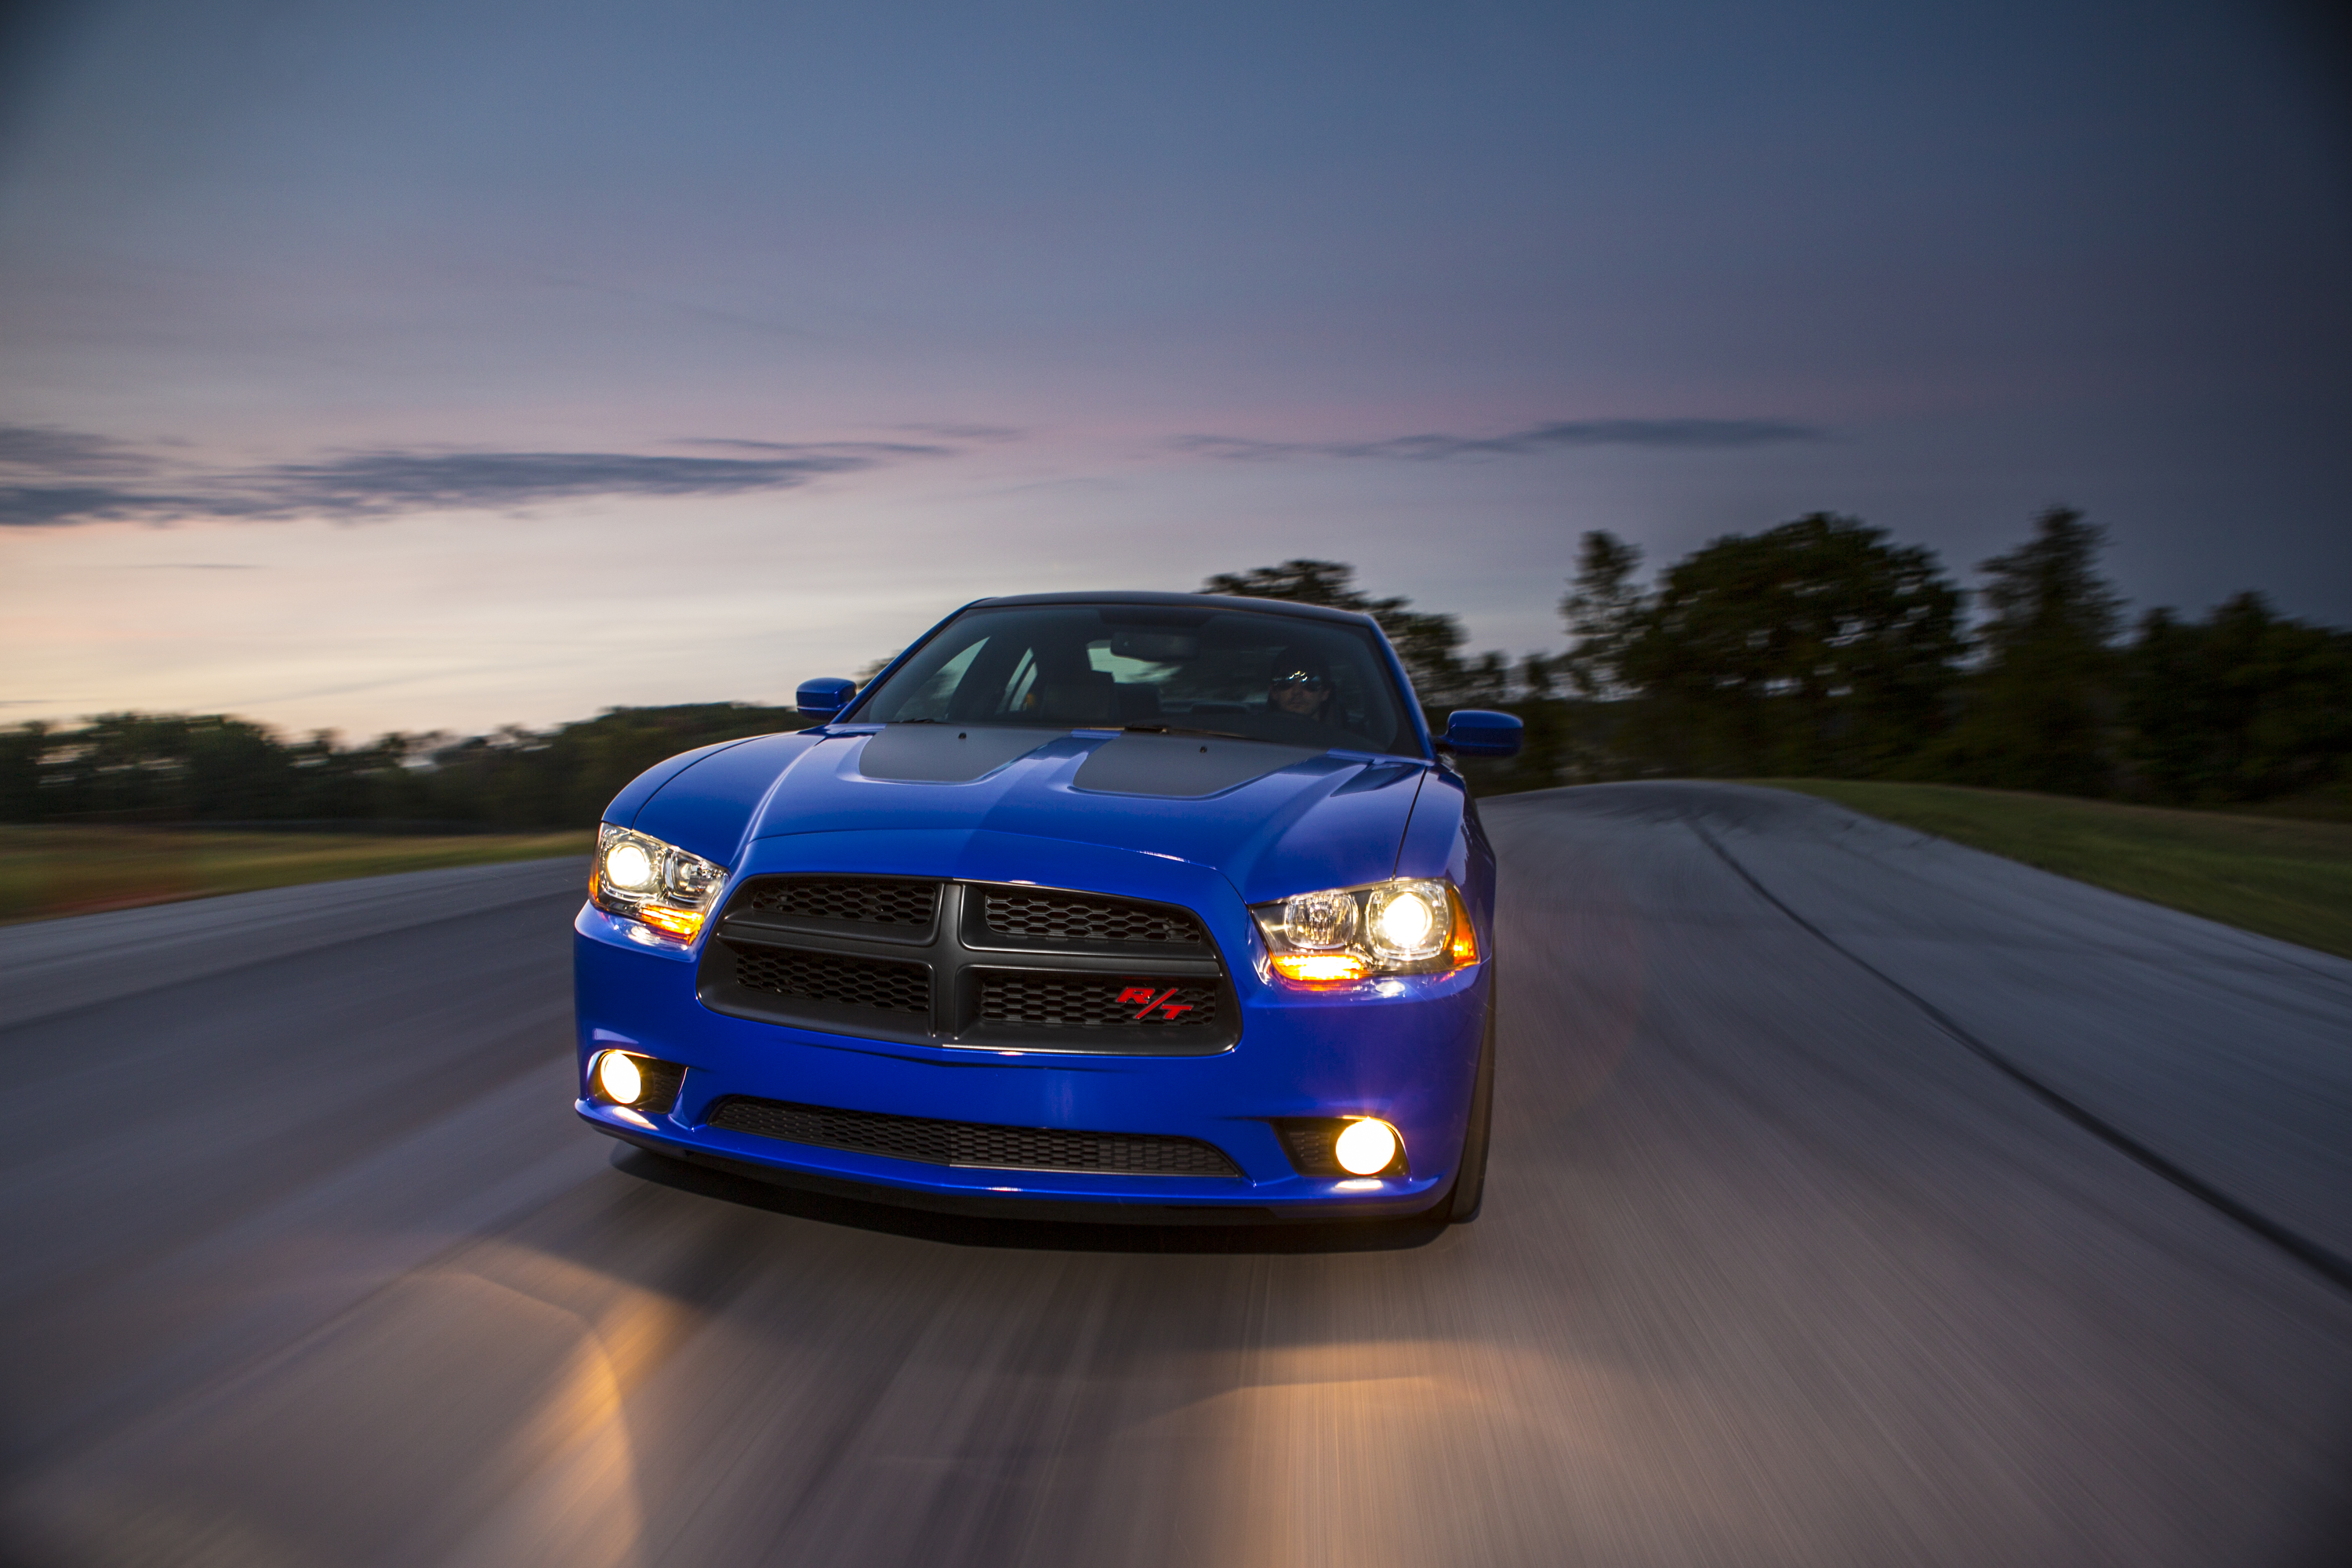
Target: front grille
(989, 965)
(835, 978)
(1064, 916)
(1084, 1002)
(864, 902)
(972, 1142)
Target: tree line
(181, 768)
(1825, 648)
(1821, 648)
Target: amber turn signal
(1464, 948)
(678, 922)
(1321, 968)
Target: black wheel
(1470, 1186)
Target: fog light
(619, 1080)
(1365, 1147)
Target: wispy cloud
(968, 432)
(1689, 434)
(45, 449)
(51, 479)
(55, 505)
(377, 484)
(880, 450)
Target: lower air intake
(970, 1143)
(662, 1080)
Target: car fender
(1445, 840)
(706, 806)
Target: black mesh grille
(835, 978)
(918, 961)
(972, 1142)
(865, 902)
(1083, 1002)
(1066, 917)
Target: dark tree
(2165, 704)
(2042, 705)
(153, 766)
(144, 767)
(2244, 705)
(21, 748)
(1603, 610)
(1815, 648)
(563, 777)
(1331, 583)
(1429, 644)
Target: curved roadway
(1856, 1199)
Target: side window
(1020, 686)
(931, 700)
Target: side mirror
(1475, 732)
(824, 697)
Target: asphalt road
(1856, 1199)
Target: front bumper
(1404, 1048)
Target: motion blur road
(1856, 1199)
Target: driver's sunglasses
(1303, 681)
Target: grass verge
(2284, 878)
(49, 871)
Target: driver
(1301, 688)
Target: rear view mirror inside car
(1154, 647)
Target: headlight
(643, 878)
(1343, 934)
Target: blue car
(1129, 906)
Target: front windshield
(1259, 677)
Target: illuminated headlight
(1343, 934)
(643, 878)
(1408, 922)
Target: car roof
(1196, 601)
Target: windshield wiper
(1182, 730)
(1134, 729)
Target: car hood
(1271, 820)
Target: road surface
(1856, 1198)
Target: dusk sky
(436, 366)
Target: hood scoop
(946, 753)
(1181, 766)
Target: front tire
(1470, 1186)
